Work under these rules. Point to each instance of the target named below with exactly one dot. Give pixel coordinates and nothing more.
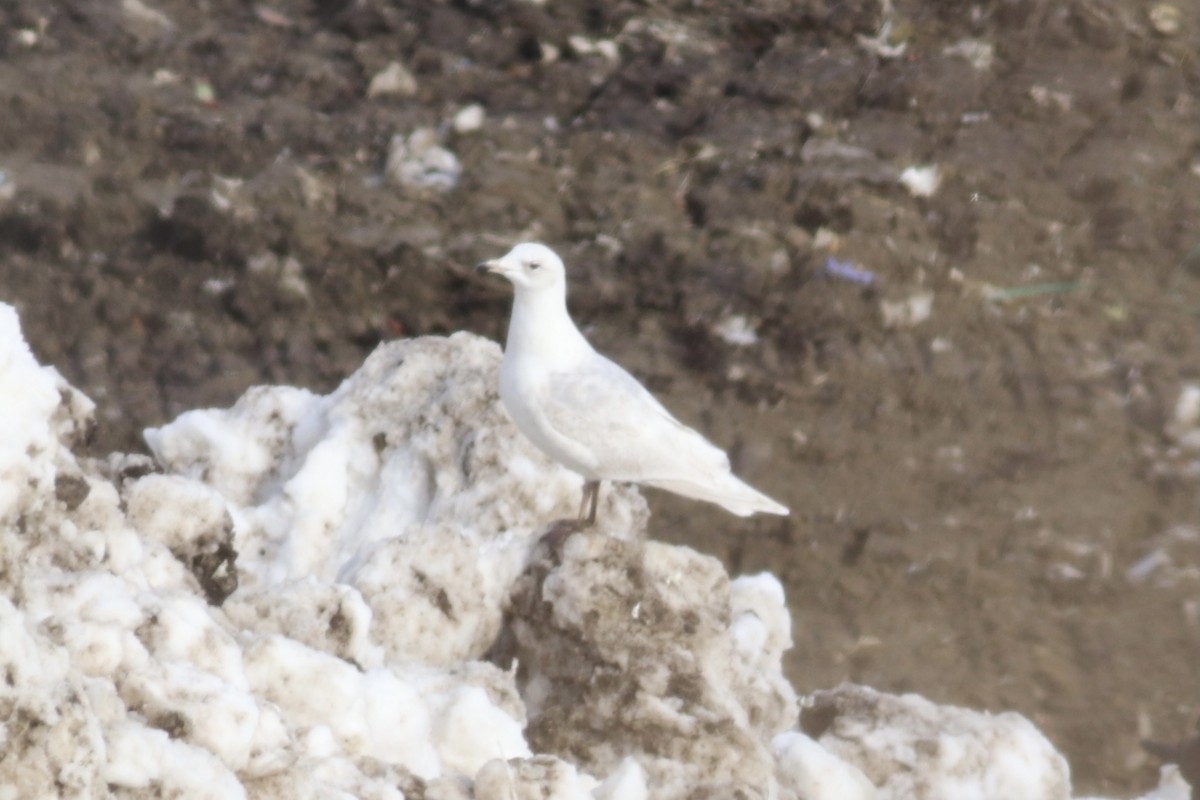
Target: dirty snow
(345, 596)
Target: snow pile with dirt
(346, 595)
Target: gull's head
(529, 266)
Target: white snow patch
(345, 596)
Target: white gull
(591, 415)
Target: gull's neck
(542, 329)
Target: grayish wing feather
(629, 434)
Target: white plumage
(587, 412)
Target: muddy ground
(195, 199)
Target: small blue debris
(847, 271)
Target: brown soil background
(967, 493)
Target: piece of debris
(815, 150)
(1166, 19)
(1048, 98)
(584, 46)
(276, 19)
(287, 272)
(907, 313)
(227, 196)
(421, 162)
(1184, 425)
(1147, 565)
(1187, 407)
(141, 12)
(316, 192)
(468, 119)
(881, 45)
(393, 79)
(737, 330)
(891, 39)
(840, 163)
(978, 53)
(921, 181)
(1032, 290)
(827, 239)
(204, 93)
(217, 286)
(848, 271)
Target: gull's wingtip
(778, 509)
(763, 505)
(748, 501)
(726, 490)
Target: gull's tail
(726, 490)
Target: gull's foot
(559, 532)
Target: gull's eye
(534, 265)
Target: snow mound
(628, 648)
(310, 596)
(911, 748)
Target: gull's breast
(522, 389)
